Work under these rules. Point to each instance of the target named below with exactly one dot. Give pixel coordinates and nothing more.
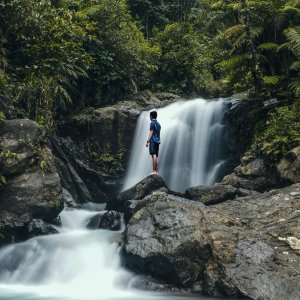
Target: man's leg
(155, 164)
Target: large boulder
(244, 247)
(289, 167)
(253, 174)
(211, 195)
(32, 189)
(137, 192)
(110, 220)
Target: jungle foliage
(58, 56)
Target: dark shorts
(153, 148)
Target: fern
(233, 31)
(271, 80)
(268, 46)
(293, 35)
(295, 85)
(296, 65)
(283, 47)
(233, 62)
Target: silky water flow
(190, 145)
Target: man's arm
(149, 137)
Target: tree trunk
(256, 71)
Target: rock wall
(113, 126)
(30, 188)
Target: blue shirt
(155, 126)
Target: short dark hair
(153, 114)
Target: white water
(76, 264)
(190, 145)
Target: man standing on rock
(154, 140)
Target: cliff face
(30, 188)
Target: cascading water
(76, 264)
(190, 145)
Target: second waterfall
(190, 150)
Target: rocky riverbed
(248, 246)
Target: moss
(2, 117)
(43, 159)
(8, 158)
(111, 163)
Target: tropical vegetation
(59, 56)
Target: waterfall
(76, 264)
(190, 145)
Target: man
(154, 141)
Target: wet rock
(137, 192)
(110, 220)
(38, 227)
(289, 167)
(244, 247)
(68, 199)
(211, 195)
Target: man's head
(153, 115)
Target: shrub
(282, 133)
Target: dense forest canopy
(62, 55)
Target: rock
(253, 174)
(211, 195)
(239, 121)
(32, 189)
(38, 227)
(18, 145)
(244, 193)
(6, 106)
(244, 247)
(255, 168)
(81, 175)
(137, 192)
(69, 200)
(164, 239)
(259, 184)
(289, 167)
(110, 220)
